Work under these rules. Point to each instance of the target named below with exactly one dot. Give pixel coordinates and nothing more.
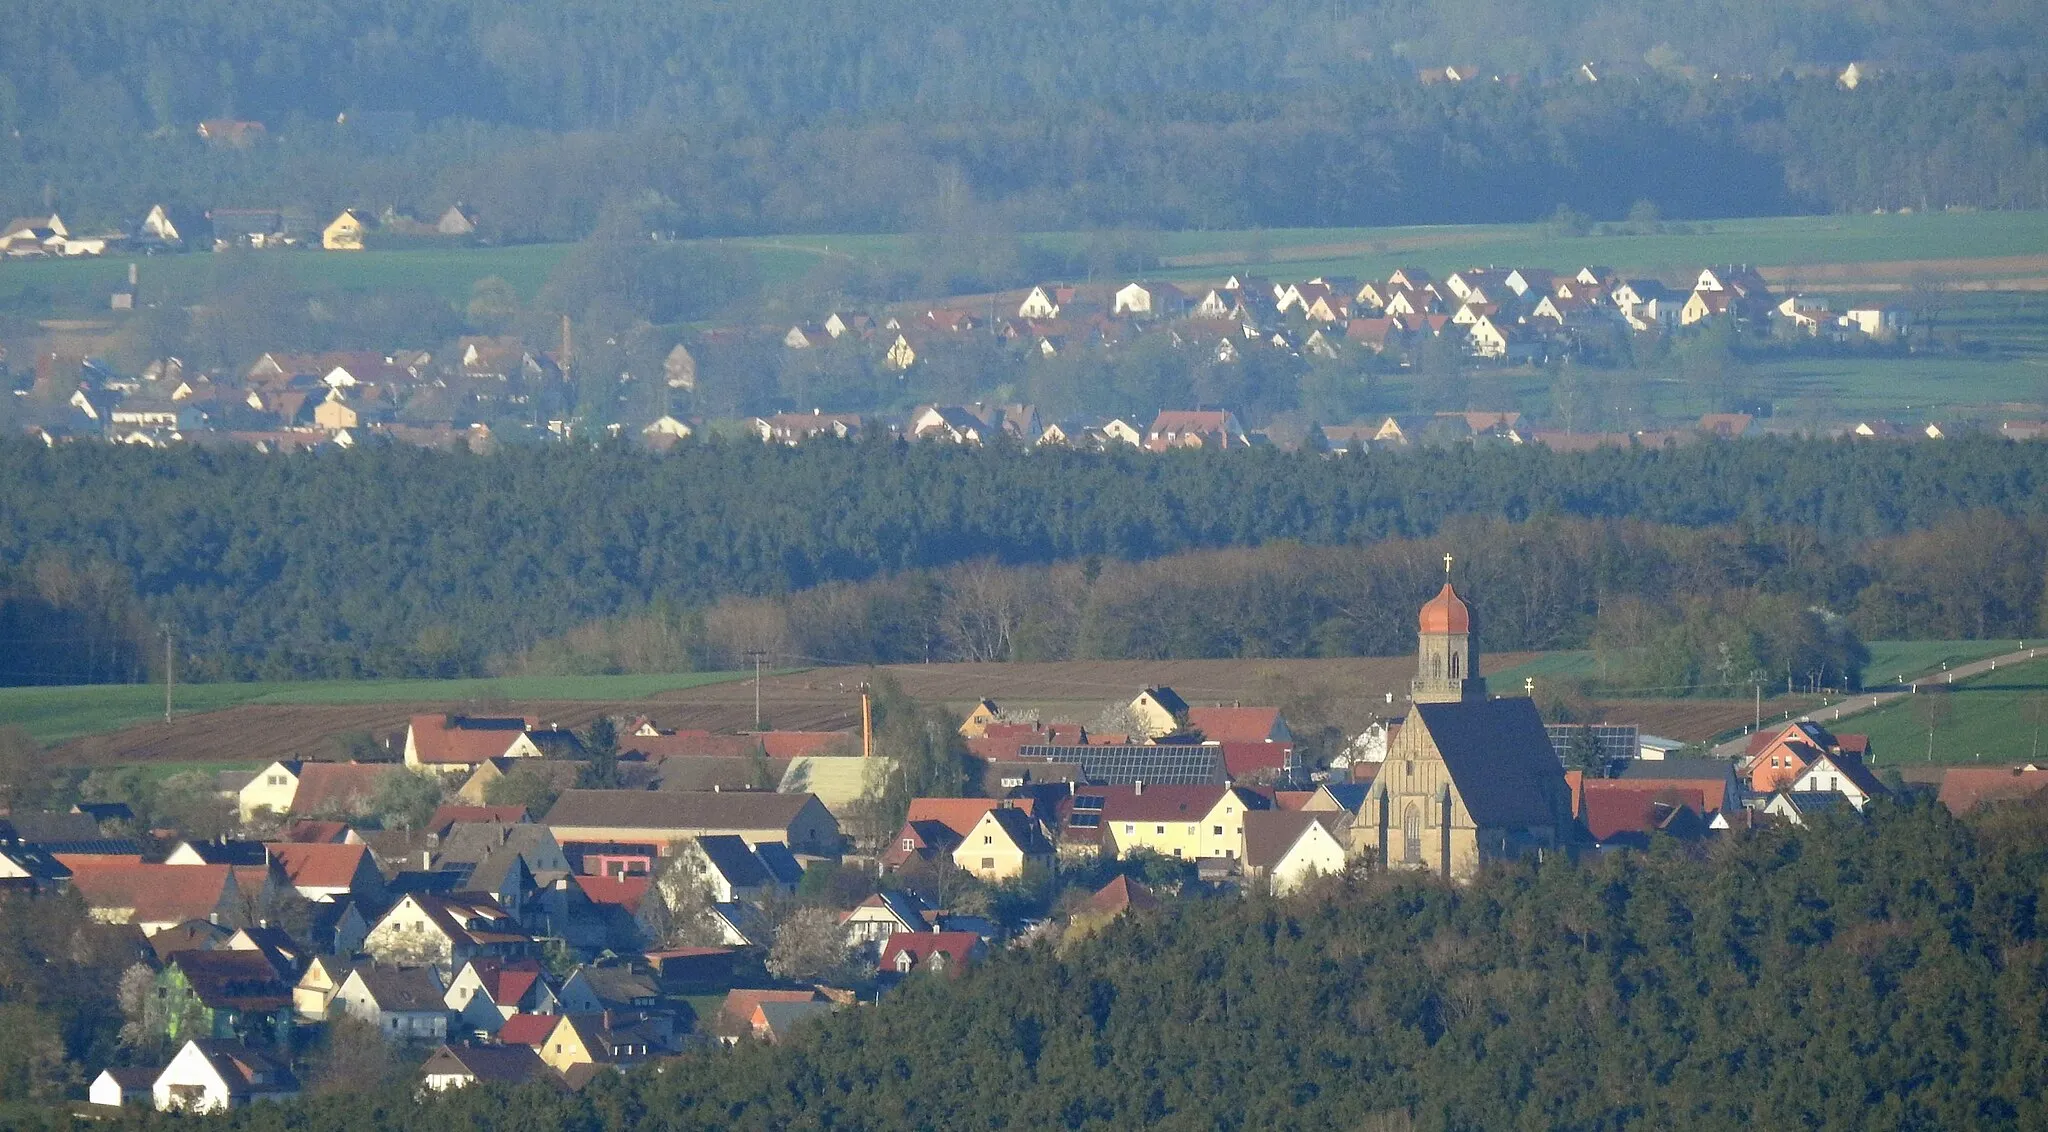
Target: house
(921, 841)
(456, 742)
(795, 428)
(225, 995)
(290, 786)
(977, 722)
(950, 423)
(597, 990)
(1876, 322)
(346, 232)
(1965, 790)
(230, 133)
(1239, 724)
(30, 867)
(1188, 822)
(287, 956)
(486, 852)
(1467, 778)
(1159, 711)
(882, 915)
(1002, 845)
(559, 774)
(313, 994)
(1741, 281)
(454, 1067)
(119, 1087)
(1176, 428)
(405, 1004)
(447, 816)
(487, 991)
(1837, 772)
(154, 897)
(1149, 300)
(901, 355)
(458, 220)
(446, 931)
(771, 1022)
(1704, 305)
(600, 1039)
(1774, 759)
(1121, 895)
(1044, 301)
(215, 1076)
(940, 953)
(1292, 848)
(173, 227)
(665, 817)
(1797, 808)
(1625, 813)
(325, 873)
(730, 867)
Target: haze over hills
(885, 115)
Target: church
(1467, 779)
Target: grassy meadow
(54, 714)
(1994, 719)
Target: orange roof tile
(339, 787)
(319, 865)
(1234, 724)
(155, 893)
(1964, 789)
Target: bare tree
(810, 946)
(682, 890)
(984, 604)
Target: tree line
(393, 561)
(1878, 969)
(710, 119)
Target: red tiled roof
(309, 832)
(1121, 894)
(527, 1029)
(956, 814)
(319, 865)
(156, 893)
(1157, 803)
(1234, 724)
(1291, 799)
(739, 1004)
(1614, 806)
(1245, 758)
(958, 947)
(442, 739)
(1964, 789)
(450, 814)
(800, 744)
(626, 892)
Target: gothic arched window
(1411, 832)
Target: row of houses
(172, 228)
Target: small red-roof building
(1239, 724)
(1967, 789)
(1122, 895)
(527, 1029)
(1622, 812)
(947, 953)
(324, 872)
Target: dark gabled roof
(227, 852)
(1169, 699)
(1023, 829)
(1677, 768)
(408, 990)
(48, 827)
(234, 980)
(781, 1016)
(498, 1065)
(1269, 834)
(1500, 758)
(619, 986)
(731, 857)
(1350, 795)
(780, 862)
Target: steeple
(1447, 654)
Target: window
(1454, 666)
(1411, 830)
(988, 839)
(1410, 767)
(1176, 850)
(988, 863)
(1160, 830)
(909, 844)
(1217, 830)
(1129, 828)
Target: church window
(1454, 666)
(1411, 832)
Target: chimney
(1138, 788)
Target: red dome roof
(1446, 613)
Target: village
(504, 900)
(484, 390)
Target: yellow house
(1189, 822)
(1001, 844)
(345, 233)
(901, 356)
(334, 413)
(1159, 711)
(977, 721)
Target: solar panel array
(1614, 741)
(1166, 764)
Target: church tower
(1447, 658)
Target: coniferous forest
(400, 561)
(1883, 971)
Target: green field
(1294, 252)
(1890, 660)
(1988, 721)
(55, 714)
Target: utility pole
(169, 660)
(1759, 707)
(755, 655)
(867, 723)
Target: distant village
(660, 890)
(471, 391)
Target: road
(1880, 696)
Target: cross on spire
(1447, 566)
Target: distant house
(1835, 772)
(487, 991)
(403, 1003)
(346, 232)
(216, 1076)
(457, 742)
(230, 133)
(1174, 428)
(1002, 845)
(290, 786)
(453, 1067)
(666, 817)
(122, 1086)
(445, 931)
(229, 995)
(326, 873)
(1877, 322)
(938, 953)
(882, 915)
(458, 220)
(174, 227)
(1291, 848)
(1150, 300)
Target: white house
(1292, 847)
(1875, 321)
(114, 1088)
(404, 1003)
(486, 992)
(214, 1076)
(1839, 774)
(1155, 300)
